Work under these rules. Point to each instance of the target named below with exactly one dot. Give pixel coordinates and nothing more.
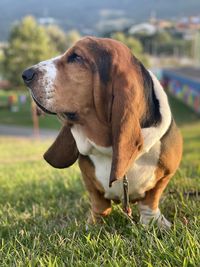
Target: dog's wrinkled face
(63, 84)
(81, 79)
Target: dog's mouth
(72, 116)
(41, 107)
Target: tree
(72, 37)
(58, 38)
(134, 45)
(28, 44)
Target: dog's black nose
(28, 75)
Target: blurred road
(21, 131)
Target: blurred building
(192, 23)
(145, 28)
(46, 21)
(184, 84)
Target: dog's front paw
(148, 216)
(163, 223)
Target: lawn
(23, 116)
(43, 212)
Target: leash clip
(125, 202)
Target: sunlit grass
(43, 213)
(23, 116)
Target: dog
(116, 121)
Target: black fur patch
(103, 60)
(72, 116)
(152, 116)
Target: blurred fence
(184, 84)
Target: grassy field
(23, 116)
(43, 212)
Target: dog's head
(99, 75)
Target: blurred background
(165, 36)
(42, 209)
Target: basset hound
(116, 121)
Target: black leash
(125, 203)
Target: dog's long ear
(127, 140)
(63, 152)
(118, 103)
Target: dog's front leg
(100, 206)
(149, 206)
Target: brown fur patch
(170, 156)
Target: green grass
(23, 117)
(43, 213)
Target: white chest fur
(140, 176)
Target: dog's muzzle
(29, 76)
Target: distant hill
(88, 15)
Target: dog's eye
(75, 58)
